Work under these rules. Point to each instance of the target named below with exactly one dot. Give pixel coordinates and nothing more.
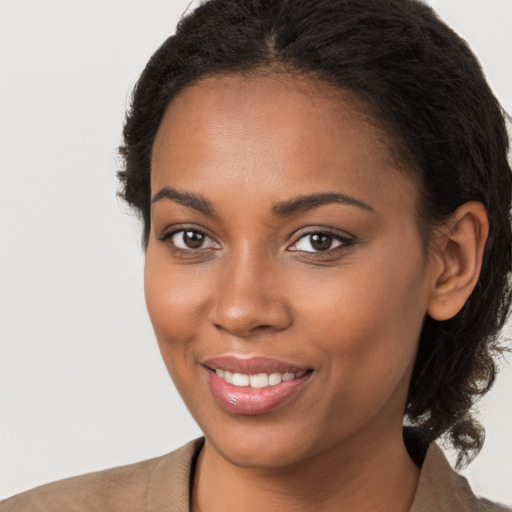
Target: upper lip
(252, 365)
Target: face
(285, 276)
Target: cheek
(176, 299)
(366, 318)
(368, 352)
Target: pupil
(321, 242)
(193, 239)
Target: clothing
(163, 485)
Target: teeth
(240, 379)
(259, 380)
(274, 378)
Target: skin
(352, 314)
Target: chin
(259, 446)
(266, 455)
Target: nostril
(262, 327)
(243, 330)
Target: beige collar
(440, 488)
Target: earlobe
(460, 246)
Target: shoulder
(441, 489)
(146, 485)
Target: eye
(189, 239)
(320, 242)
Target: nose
(248, 299)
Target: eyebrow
(308, 202)
(282, 209)
(194, 201)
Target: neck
(350, 476)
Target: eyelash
(167, 239)
(344, 241)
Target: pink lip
(252, 365)
(247, 400)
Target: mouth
(255, 385)
(257, 380)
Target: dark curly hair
(422, 83)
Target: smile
(258, 380)
(252, 386)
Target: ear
(459, 247)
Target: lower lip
(252, 401)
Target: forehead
(284, 105)
(274, 133)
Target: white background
(82, 386)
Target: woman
(325, 197)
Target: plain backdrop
(82, 386)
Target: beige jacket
(162, 485)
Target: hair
(423, 84)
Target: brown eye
(320, 242)
(189, 239)
(193, 239)
(316, 242)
